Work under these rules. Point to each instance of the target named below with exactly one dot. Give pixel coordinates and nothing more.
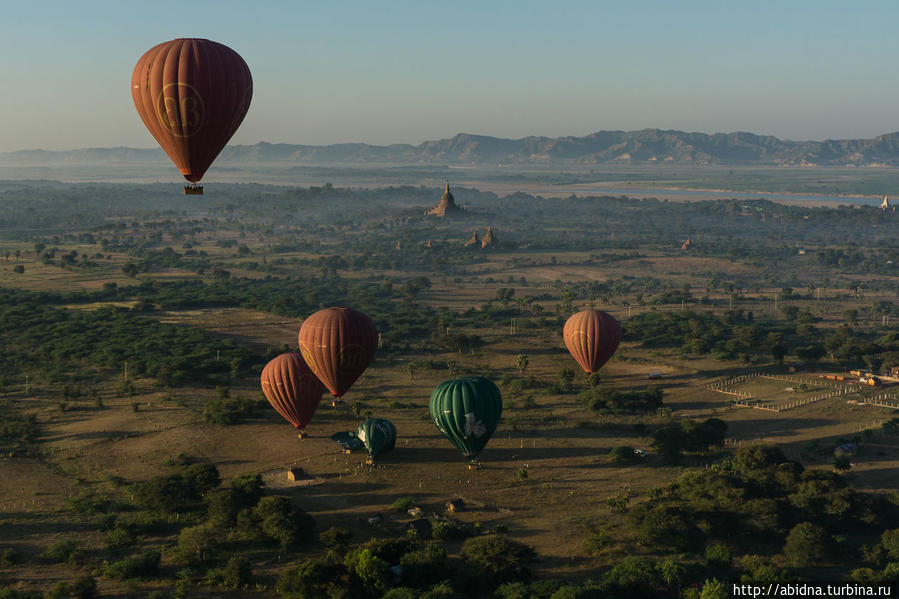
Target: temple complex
(447, 205)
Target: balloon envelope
(467, 410)
(292, 389)
(338, 344)
(192, 94)
(592, 336)
(378, 434)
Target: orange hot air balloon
(592, 336)
(292, 389)
(192, 94)
(338, 344)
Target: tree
(807, 544)
(18, 269)
(522, 362)
(499, 558)
(131, 269)
(566, 378)
(196, 545)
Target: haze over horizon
(354, 72)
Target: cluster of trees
(54, 340)
(758, 516)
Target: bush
(311, 579)
(403, 504)
(499, 558)
(425, 566)
(9, 557)
(335, 538)
(718, 555)
(606, 400)
(449, 530)
(807, 544)
(229, 410)
(236, 575)
(623, 453)
(144, 565)
(59, 552)
(18, 269)
(196, 545)
(120, 536)
(278, 520)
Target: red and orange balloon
(292, 389)
(192, 94)
(338, 344)
(592, 336)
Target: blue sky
(408, 71)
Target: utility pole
(126, 370)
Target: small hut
(456, 505)
(295, 473)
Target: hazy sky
(407, 71)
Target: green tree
(807, 544)
(522, 362)
(499, 558)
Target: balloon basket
(348, 451)
(301, 436)
(193, 190)
(370, 462)
(475, 466)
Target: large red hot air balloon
(592, 336)
(338, 344)
(292, 389)
(192, 94)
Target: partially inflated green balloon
(379, 435)
(467, 410)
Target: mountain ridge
(645, 146)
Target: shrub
(236, 574)
(310, 579)
(403, 504)
(807, 544)
(196, 545)
(425, 566)
(499, 558)
(144, 565)
(622, 453)
(9, 557)
(335, 538)
(59, 552)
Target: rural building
(894, 371)
(295, 473)
(456, 505)
(447, 206)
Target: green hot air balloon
(379, 435)
(467, 410)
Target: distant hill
(649, 146)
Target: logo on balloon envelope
(181, 109)
(308, 385)
(352, 359)
(473, 427)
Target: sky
(407, 71)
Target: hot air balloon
(379, 435)
(467, 410)
(292, 389)
(338, 344)
(192, 94)
(592, 336)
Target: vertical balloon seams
(592, 336)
